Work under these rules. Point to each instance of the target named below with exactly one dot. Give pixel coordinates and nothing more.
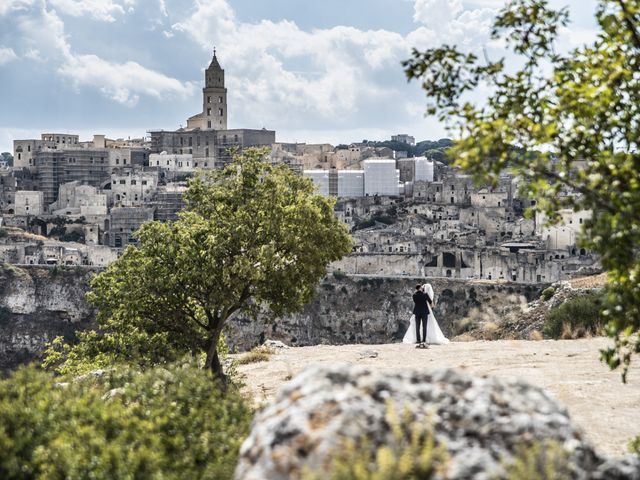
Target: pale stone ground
(570, 370)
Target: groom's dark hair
(418, 287)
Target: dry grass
(535, 335)
(489, 331)
(593, 281)
(258, 354)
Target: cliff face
(39, 303)
(372, 310)
(36, 305)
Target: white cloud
(7, 6)
(122, 82)
(43, 34)
(281, 75)
(436, 14)
(7, 55)
(103, 10)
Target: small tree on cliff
(253, 236)
(577, 115)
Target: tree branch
(628, 18)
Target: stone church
(207, 137)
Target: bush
(576, 317)
(258, 354)
(339, 275)
(547, 293)
(540, 461)
(411, 454)
(634, 446)
(166, 423)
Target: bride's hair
(418, 287)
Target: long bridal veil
(434, 334)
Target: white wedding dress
(434, 334)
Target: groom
(421, 302)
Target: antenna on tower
(214, 51)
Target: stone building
(123, 223)
(133, 187)
(214, 100)
(56, 167)
(29, 202)
(82, 200)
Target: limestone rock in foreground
(481, 421)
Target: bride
(434, 334)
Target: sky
(315, 71)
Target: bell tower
(214, 97)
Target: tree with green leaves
(254, 237)
(577, 115)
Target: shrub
(547, 293)
(169, 423)
(339, 275)
(540, 461)
(411, 454)
(575, 317)
(258, 354)
(634, 446)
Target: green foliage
(253, 237)
(436, 150)
(634, 446)
(410, 454)
(575, 317)
(168, 423)
(339, 275)
(547, 293)
(3, 233)
(575, 116)
(540, 461)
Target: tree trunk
(212, 361)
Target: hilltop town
(70, 202)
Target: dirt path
(597, 400)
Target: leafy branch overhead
(575, 116)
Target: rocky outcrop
(481, 422)
(36, 305)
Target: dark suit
(421, 302)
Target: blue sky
(314, 71)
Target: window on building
(133, 182)
(144, 182)
(209, 101)
(235, 138)
(209, 124)
(124, 161)
(122, 182)
(220, 111)
(28, 148)
(219, 99)
(208, 111)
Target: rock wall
(36, 305)
(373, 310)
(39, 303)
